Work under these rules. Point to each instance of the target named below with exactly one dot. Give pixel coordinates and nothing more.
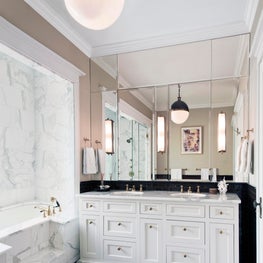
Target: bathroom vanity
(158, 226)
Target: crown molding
(250, 13)
(22, 43)
(211, 32)
(42, 8)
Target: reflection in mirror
(135, 123)
(213, 78)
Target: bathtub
(18, 217)
(29, 234)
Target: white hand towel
(214, 177)
(243, 156)
(88, 161)
(176, 174)
(238, 153)
(101, 161)
(248, 164)
(205, 174)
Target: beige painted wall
(209, 157)
(26, 19)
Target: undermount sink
(127, 193)
(185, 195)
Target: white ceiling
(162, 42)
(146, 24)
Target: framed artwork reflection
(191, 140)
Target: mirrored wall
(134, 89)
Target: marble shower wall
(36, 132)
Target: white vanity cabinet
(157, 228)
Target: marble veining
(36, 133)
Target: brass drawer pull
(90, 222)
(185, 256)
(221, 213)
(184, 229)
(90, 206)
(221, 232)
(150, 208)
(119, 224)
(119, 248)
(150, 226)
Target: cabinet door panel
(90, 236)
(221, 243)
(151, 240)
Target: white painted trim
(124, 83)
(22, 43)
(42, 8)
(242, 53)
(256, 49)
(171, 39)
(131, 112)
(76, 145)
(146, 43)
(250, 13)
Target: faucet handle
(182, 188)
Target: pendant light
(95, 14)
(179, 110)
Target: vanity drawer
(119, 251)
(90, 205)
(184, 255)
(185, 232)
(151, 208)
(119, 226)
(119, 207)
(222, 212)
(185, 210)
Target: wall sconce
(109, 137)
(221, 132)
(179, 110)
(160, 134)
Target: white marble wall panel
(36, 133)
(17, 131)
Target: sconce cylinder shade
(160, 134)
(179, 111)
(109, 137)
(221, 132)
(95, 14)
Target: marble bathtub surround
(36, 133)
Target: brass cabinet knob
(221, 232)
(221, 212)
(90, 206)
(184, 229)
(119, 224)
(119, 248)
(185, 256)
(150, 226)
(90, 222)
(150, 208)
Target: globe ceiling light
(179, 110)
(95, 14)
